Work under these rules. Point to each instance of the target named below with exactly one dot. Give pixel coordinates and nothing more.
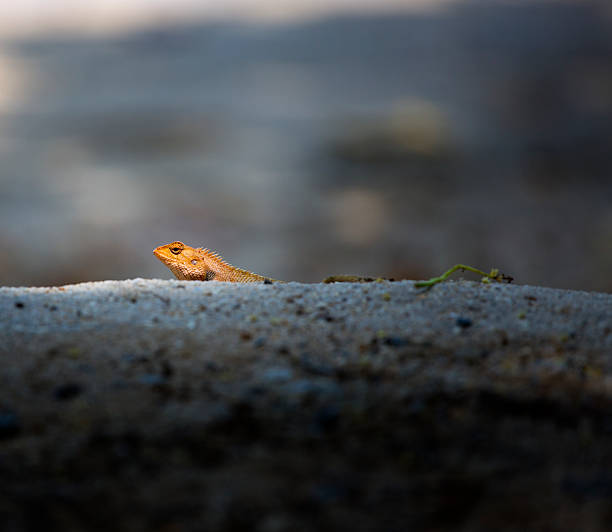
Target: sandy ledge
(205, 406)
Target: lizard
(202, 264)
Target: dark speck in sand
(9, 425)
(464, 323)
(67, 391)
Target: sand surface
(168, 405)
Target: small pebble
(396, 341)
(277, 374)
(68, 391)
(152, 379)
(259, 342)
(9, 425)
(464, 323)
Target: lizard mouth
(159, 252)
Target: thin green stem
(493, 274)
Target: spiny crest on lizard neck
(201, 264)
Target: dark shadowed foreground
(168, 406)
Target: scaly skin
(198, 264)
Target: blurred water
(380, 145)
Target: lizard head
(185, 262)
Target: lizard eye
(176, 250)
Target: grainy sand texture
(148, 405)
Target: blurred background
(301, 139)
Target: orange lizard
(201, 264)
